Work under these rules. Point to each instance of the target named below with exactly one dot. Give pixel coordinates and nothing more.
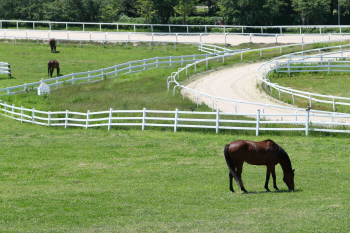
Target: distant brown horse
(51, 65)
(52, 43)
(266, 153)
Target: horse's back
(255, 153)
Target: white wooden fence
(311, 63)
(224, 28)
(5, 68)
(134, 37)
(171, 119)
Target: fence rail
(311, 63)
(171, 119)
(5, 68)
(203, 28)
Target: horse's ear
(293, 170)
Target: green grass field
(128, 180)
(77, 180)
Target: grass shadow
(276, 191)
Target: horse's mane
(283, 155)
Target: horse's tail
(230, 165)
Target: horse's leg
(268, 171)
(274, 177)
(239, 177)
(231, 187)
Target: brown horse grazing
(51, 65)
(52, 43)
(266, 153)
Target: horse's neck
(286, 167)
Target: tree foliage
(239, 12)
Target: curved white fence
(311, 63)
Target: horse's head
(289, 179)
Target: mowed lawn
(77, 180)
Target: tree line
(234, 12)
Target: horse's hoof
(268, 190)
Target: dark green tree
(164, 9)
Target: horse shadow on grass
(273, 192)
(6, 77)
(56, 51)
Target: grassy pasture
(76, 180)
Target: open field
(76, 180)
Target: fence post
(116, 71)
(276, 66)
(66, 120)
(288, 64)
(307, 122)
(89, 75)
(49, 119)
(87, 119)
(9, 66)
(143, 118)
(217, 120)
(110, 118)
(175, 120)
(329, 66)
(279, 93)
(33, 115)
(73, 79)
(170, 60)
(156, 62)
(310, 100)
(130, 69)
(22, 114)
(257, 122)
